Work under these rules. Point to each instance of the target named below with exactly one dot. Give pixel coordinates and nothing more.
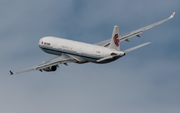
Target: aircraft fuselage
(82, 52)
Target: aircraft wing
(134, 33)
(63, 59)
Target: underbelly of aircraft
(85, 58)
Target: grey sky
(144, 81)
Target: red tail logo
(116, 41)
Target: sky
(144, 81)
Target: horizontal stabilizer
(136, 47)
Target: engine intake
(49, 69)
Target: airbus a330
(78, 52)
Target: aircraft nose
(41, 41)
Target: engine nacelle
(49, 69)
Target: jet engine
(49, 69)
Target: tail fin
(114, 44)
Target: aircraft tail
(114, 43)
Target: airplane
(78, 52)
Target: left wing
(63, 59)
(134, 33)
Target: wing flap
(129, 35)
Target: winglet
(11, 73)
(172, 15)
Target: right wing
(63, 59)
(134, 33)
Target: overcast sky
(146, 80)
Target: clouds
(145, 80)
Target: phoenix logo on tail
(116, 40)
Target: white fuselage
(82, 52)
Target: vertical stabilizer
(114, 44)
